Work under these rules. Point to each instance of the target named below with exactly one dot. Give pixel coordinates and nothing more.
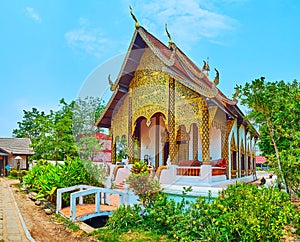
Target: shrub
(242, 212)
(13, 173)
(125, 218)
(142, 183)
(45, 178)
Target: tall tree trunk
(278, 159)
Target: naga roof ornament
(111, 83)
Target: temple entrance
(148, 136)
(233, 153)
(182, 141)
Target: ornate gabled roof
(16, 146)
(176, 64)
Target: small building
(104, 154)
(14, 153)
(261, 161)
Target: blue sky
(48, 49)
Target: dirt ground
(42, 227)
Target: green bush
(125, 218)
(142, 183)
(45, 178)
(242, 212)
(13, 173)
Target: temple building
(166, 108)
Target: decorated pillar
(205, 135)
(113, 150)
(171, 120)
(130, 133)
(113, 146)
(195, 141)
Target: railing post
(122, 199)
(58, 201)
(97, 201)
(73, 207)
(81, 197)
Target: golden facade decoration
(212, 110)
(130, 136)
(168, 62)
(120, 118)
(225, 135)
(233, 146)
(164, 136)
(243, 152)
(224, 139)
(188, 108)
(182, 140)
(149, 89)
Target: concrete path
(10, 224)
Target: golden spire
(134, 18)
(169, 36)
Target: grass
(69, 224)
(135, 235)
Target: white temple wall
(190, 130)
(248, 150)
(215, 143)
(148, 140)
(161, 130)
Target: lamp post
(18, 159)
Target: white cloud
(89, 39)
(33, 14)
(188, 21)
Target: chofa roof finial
(206, 66)
(134, 18)
(169, 36)
(217, 78)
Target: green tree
(275, 108)
(85, 113)
(28, 127)
(51, 134)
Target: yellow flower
(194, 222)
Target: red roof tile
(260, 159)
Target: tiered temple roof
(176, 64)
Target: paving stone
(10, 226)
(14, 237)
